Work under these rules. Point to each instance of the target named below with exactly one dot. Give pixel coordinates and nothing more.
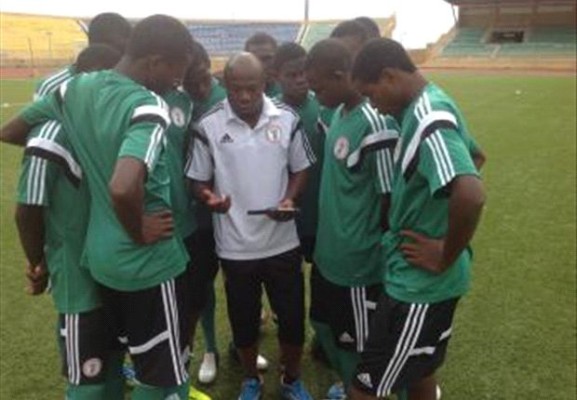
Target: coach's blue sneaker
(251, 389)
(337, 392)
(294, 391)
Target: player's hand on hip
(157, 226)
(218, 204)
(37, 279)
(423, 251)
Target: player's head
(111, 29)
(384, 72)
(245, 82)
(371, 27)
(96, 57)
(328, 67)
(352, 35)
(264, 47)
(160, 50)
(289, 67)
(198, 80)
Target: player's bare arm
(479, 159)
(15, 131)
(296, 184)
(385, 205)
(465, 206)
(30, 223)
(126, 188)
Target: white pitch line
(8, 105)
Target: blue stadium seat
(221, 39)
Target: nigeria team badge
(177, 117)
(273, 133)
(341, 149)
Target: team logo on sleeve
(177, 117)
(273, 133)
(341, 149)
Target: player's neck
(129, 68)
(415, 85)
(352, 99)
(294, 101)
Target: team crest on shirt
(177, 117)
(92, 367)
(341, 149)
(273, 133)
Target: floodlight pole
(306, 11)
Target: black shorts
(283, 279)
(155, 329)
(408, 342)
(86, 340)
(308, 243)
(347, 310)
(203, 266)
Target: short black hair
(288, 52)
(160, 35)
(350, 28)
(371, 27)
(199, 54)
(260, 38)
(329, 55)
(106, 27)
(97, 56)
(379, 54)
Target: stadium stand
(545, 41)
(39, 40)
(469, 42)
(317, 31)
(512, 34)
(32, 41)
(223, 39)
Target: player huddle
(143, 174)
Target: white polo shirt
(252, 166)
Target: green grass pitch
(514, 333)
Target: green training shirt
(53, 82)
(357, 172)
(108, 116)
(435, 148)
(217, 93)
(51, 178)
(273, 90)
(177, 136)
(309, 113)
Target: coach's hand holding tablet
(285, 211)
